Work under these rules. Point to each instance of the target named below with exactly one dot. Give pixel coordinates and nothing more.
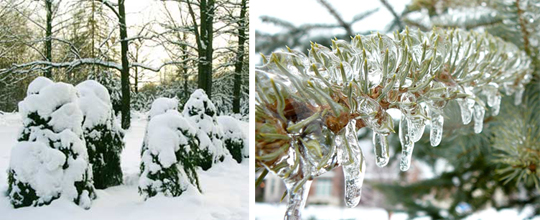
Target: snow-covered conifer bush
(234, 139)
(167, 152)
(50, 160)
(102, 133)
(113, 84)
(202, 112)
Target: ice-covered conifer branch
(309, 107)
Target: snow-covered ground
(265, 211)
(225, 188)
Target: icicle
(297, 199)
(466, 106)
(508, 88)
(519, 94)
(416, 126)
(479, 112)
(491, 93)
(353, 163)
(497, 105)
(407, 144)
(493, 98)
(437, 122)
(380, 144)
(414, 113)
(354, 179)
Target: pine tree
(50, 160)
(202, 112)
(103, 135)
(167, 165)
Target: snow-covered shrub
(166, 164)
(202, 112)
(102, 133)
(113, 84)
(234, 139)
(162, 105)
(50, 160)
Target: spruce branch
(309, 107)
(517, 139)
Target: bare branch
(337, 16)
(397, 18)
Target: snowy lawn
(225, 188)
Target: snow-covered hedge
(234, 139)
(50, 161)
(168, 148)
(103, 134)
(202, 112)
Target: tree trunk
(239, 58)
(136, 80)
(205, 46)
(126, 119)
(184, 68)
(48, 37)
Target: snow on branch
(42, 65)
(45, 65)
(158, 68)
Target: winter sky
(310, 11)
